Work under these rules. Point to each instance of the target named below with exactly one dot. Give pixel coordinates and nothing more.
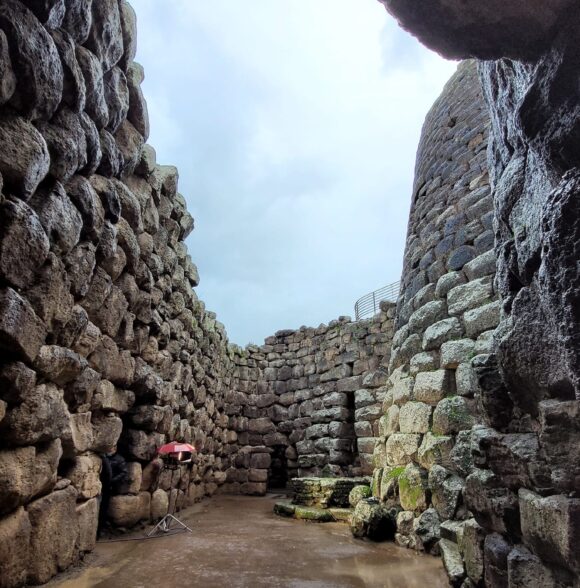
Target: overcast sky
(294, 125)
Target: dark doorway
(278, 472)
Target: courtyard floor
(239, 542)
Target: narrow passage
(237, 543)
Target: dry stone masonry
(308, 402)
(524, 488)
(462, 402)
(445, 319)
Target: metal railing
(370, 304)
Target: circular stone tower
(446, 314)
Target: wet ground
(237, 542)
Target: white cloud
(294, 124)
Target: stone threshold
(285, 508)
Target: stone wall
(104, 342)
(446, 316)
(524, 490)
(308, 402)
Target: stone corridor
(237, 542)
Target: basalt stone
(456, 30)
(93, 139)
(452, 561)
(427, 527)
(105, 38)
(74, 89)
(117, 98)
(108, 193)
(21, 331)
(62, 222)
(24, 158)
(138, 114)
(86, 200)
(40, 74)
(78, 19)
(129, 28)
(49, 12)
(58, 364)
(50, 296)
(7, 77)
(112, 158)
(23, 243)
(96, 105)
(551, 527)
(494, 507)
(67, 144)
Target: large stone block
(88, 521)
(14, 549)
(38, 66)
(471, 545)
(23, 243)
(159, 504)
(431, 387)
(61, 220)
(105, 37)
(413, 488)
(7, 77)
(106, 432)
(491, 31)
(526, 569)
(54, 535)
(435, 449)
(127, 510)
(42, 416)
(26, 472)
(551, 527)
(21, 330)
(426, 316)
(452, 415)
(446, 489)
(471, 295)
(84, 474)
(59, 364)
(494, 507)
(415, 417)
(402, 448)
(452, 561)
(482, 319)
(442, 331)
(454, 353)
(373, 520)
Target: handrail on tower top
(370, 304)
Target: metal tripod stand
(170, 522)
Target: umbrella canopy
(176, 447)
